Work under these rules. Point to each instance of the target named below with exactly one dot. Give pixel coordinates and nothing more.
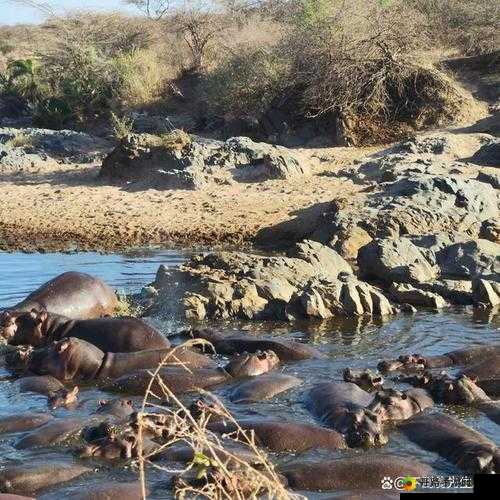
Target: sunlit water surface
(354, 343)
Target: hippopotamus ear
(62, 346)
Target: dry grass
(215, 472)
(20, 140)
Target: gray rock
(408, 294)
(486, 292)
(491, 178)
(488, 155)
(490, 230)
(395, 260)
(321, 257)
(470, 259)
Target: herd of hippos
(64, 334)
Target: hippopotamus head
(462, 390)
(120, 408)
(483, 461)
(111, 448)
(366, 379)
(19, 357)
(363, 428)
(391, 404)
(251, 365)
(404, 362)
(67, 359)
(8, 325)
(23, 327)
(63, 397)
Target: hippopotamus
(179, 380)
(264, 387)
(32, 477)
(464, 447)
(447, 389)
(287, 350)
(78, 360)
(71, 294)
(282, 435)
(462, 357)
(456, 390)
(392, 405)
(486, 373)
(342, 406)
(7, 496)
(24, 422)
(107, 490)
(57, 394)
(38, 328)
(358, 472)
(52, 432)
(365, 379)
(119, 408)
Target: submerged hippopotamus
(57, 394)
(466, 448)
(358, 472)
(72, 294)
(282, 435)
(32, 477)
(180, 380)
(447, 389)
(23, 423)
(287, 350)
(468, 356)
(486, 373)
(456, 390)
(78, 360)
(360, 415)
(342, 406)
(37, 328)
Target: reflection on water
(358, 342)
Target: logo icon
(386, 483)
(410, 483)
(407, 483)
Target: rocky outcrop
(432, 270)
(426, 186)
(420, 204)
(179, 161)
(22, 149)
(313, 281)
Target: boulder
(408, 294)
(490, 230)
(470, 259)
(395, 260)
(486, 292)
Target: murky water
(348, 343)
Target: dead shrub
(216, 471)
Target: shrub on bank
(348, 66)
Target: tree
(196, 21)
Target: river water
(354, 343)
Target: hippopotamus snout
(8, 325)
(403, 362)
(252, 365)
(365, 430)
(364, 379)
(63, 398)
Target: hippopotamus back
(72, 294)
